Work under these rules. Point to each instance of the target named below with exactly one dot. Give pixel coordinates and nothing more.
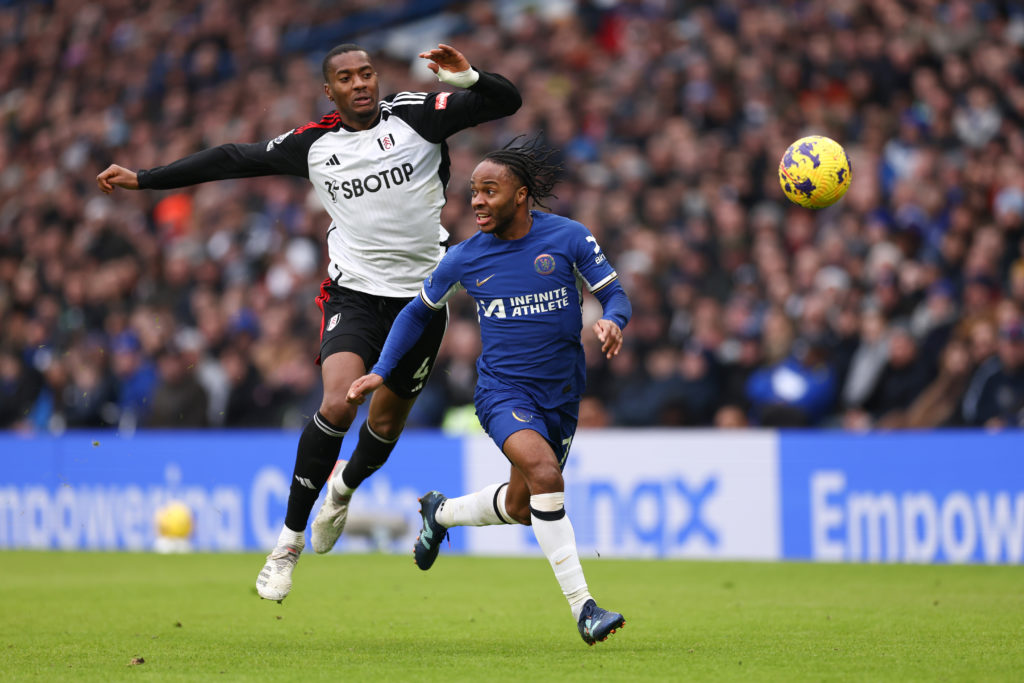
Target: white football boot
(275, 579)
(330, 520)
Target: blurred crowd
(899, 307)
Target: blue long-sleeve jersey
(529, 295)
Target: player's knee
(546, 478)
(386, 427)
(519, 512)
(338, 411)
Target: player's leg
(533, 455)
(317, 453)
(320, 442)
(340, 370)
(388, 410)
(378, 435)
(342, 359)
(502, 413)
(481, 508)
(517, 498)
(485, 507)
(371, 452)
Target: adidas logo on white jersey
(333, 161)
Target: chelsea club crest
(544, 264)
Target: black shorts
(358, 322)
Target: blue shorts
(503, 412)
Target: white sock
(340, 491)
(556, 538)
(476, 509)
(296, 540)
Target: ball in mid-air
(174, 520)
(815, 172)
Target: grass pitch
(86, 616)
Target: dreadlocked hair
(531, 162)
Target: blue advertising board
(99, 490)
(923, 497)
(903, 497)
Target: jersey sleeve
(588, 259)
(444, 282)
(437, 115)
(599, 277)
(286, 154)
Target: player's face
(496, 196)
(353, 88)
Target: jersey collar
(376, 120)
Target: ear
(327, 91)
(521, 194)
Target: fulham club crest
(386, 142)
(333, 322)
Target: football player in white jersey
(380, 168)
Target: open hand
(445, 57)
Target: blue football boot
(597, 624)
(428, 543)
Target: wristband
(460, 79)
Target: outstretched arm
(223, 162)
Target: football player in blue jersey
(526, 270)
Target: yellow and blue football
(815, 172)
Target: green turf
(84, 616)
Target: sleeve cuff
(460, 79)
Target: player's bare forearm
(117, 176)
(445, 57)
(610, 336)
(363, 387)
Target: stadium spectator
(797, 391)
(985, 361)
(18, 389)
(135, 379)
(902, 379)
(939, 404)
(178, 401)
(1001, 401)
(249, 400)
(739, 362)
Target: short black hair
(535, 166)
(338, 50)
